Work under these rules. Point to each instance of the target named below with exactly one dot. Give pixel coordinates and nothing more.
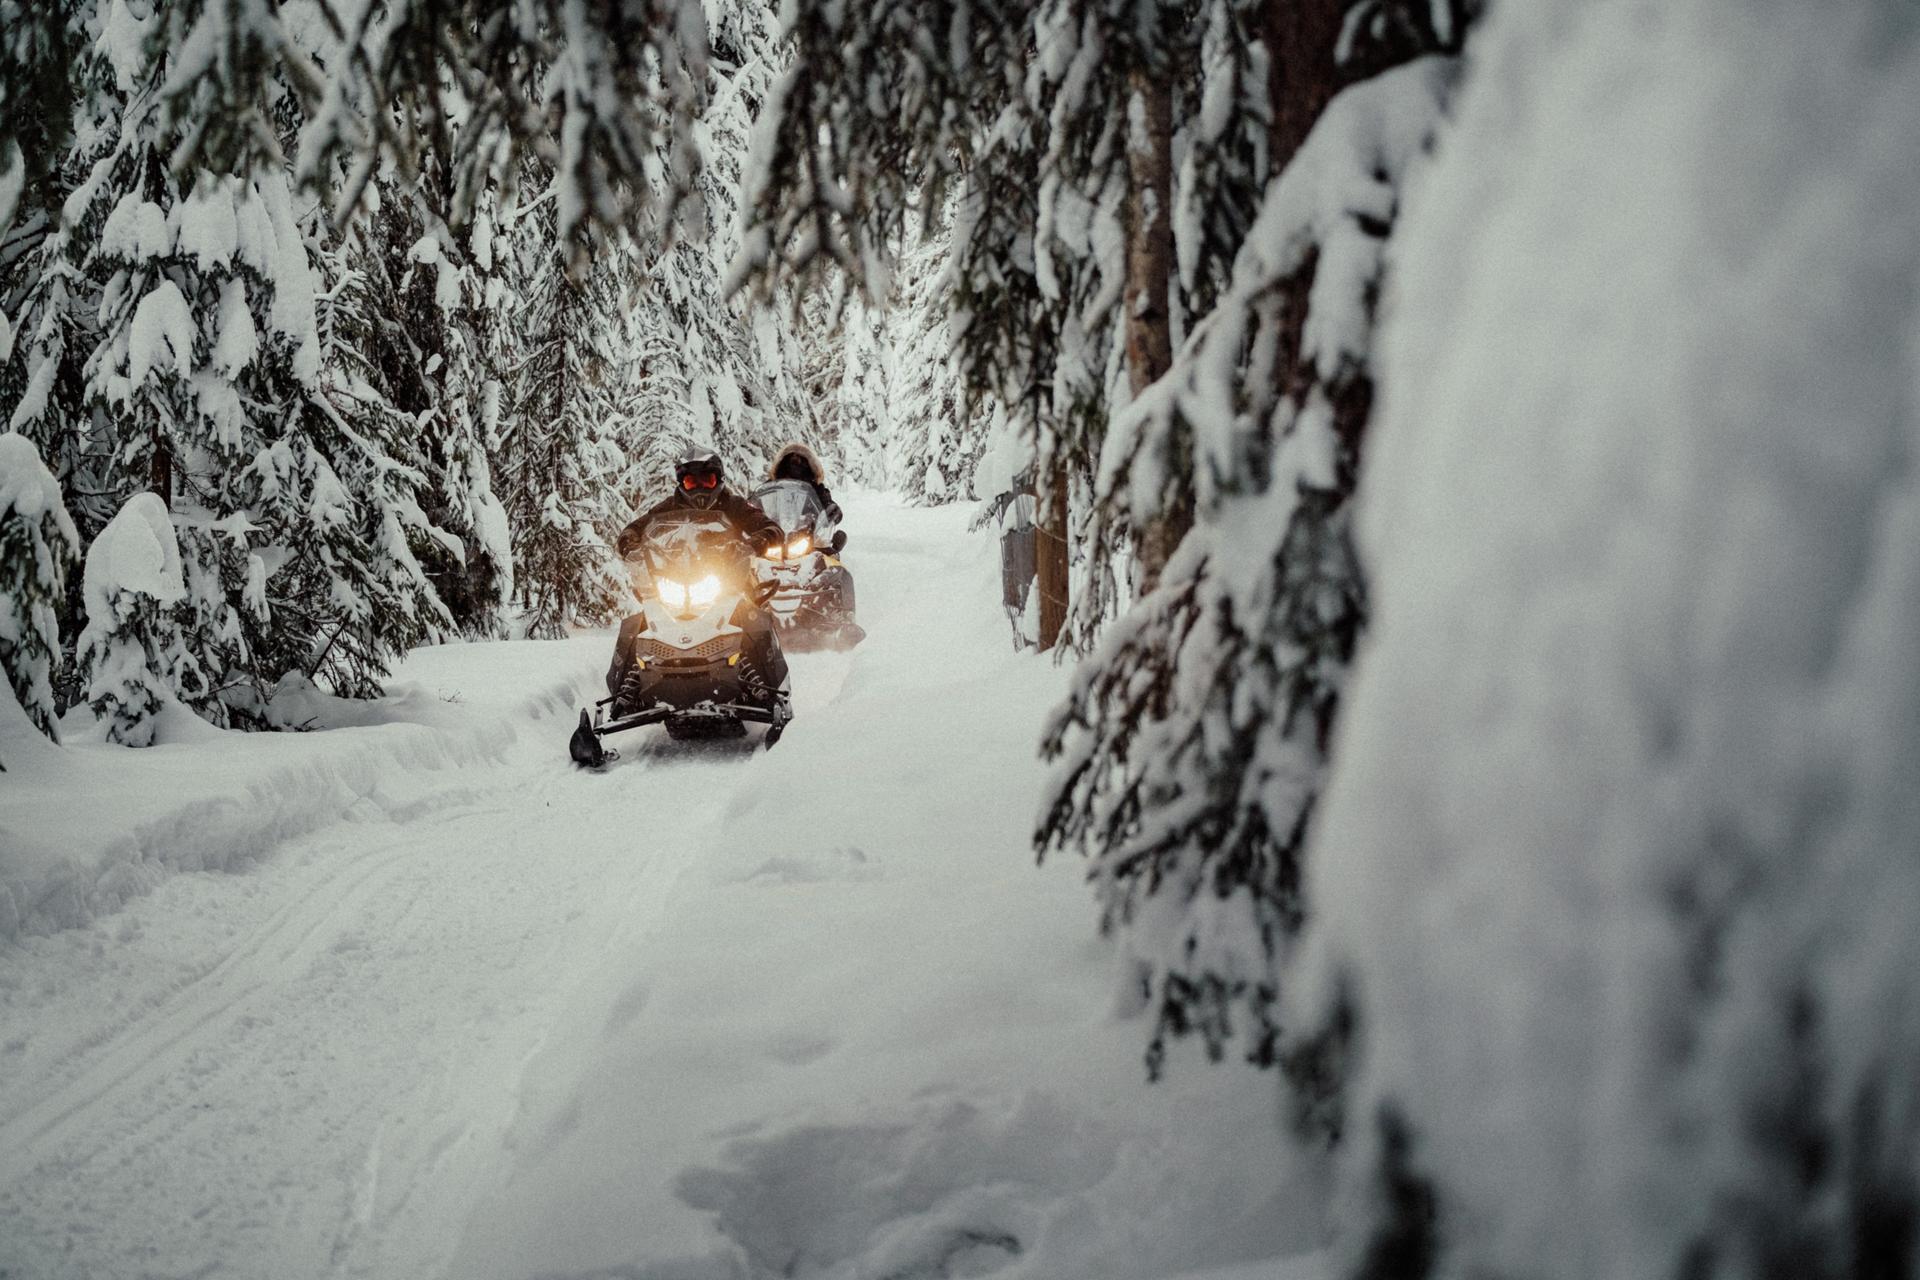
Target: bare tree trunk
(1050, 557)
(1149, 330)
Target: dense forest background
(328, 329)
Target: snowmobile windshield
(686, 545)
(792, 504)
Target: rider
(699, 485)
(797, 462)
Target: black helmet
(697, 474)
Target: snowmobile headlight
(799, 547)
(704, 592)
(672, 594)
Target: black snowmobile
(813, 596)
(693, 575)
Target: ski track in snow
(713, 1013)
(475, 927)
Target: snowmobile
(693, 575)
(813, 596)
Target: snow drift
(205, 799)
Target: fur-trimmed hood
(792, 449)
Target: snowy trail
(347, 1024)
(715, 1013)
(368, 1018)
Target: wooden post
(1051, 563)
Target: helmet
(697, 473)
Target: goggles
(700, 480)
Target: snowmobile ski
(585, 746)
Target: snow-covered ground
(416, 999)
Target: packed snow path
(713, 1013)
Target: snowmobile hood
(796, 449)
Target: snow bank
(1620, 843)
(202, 799)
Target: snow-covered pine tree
(596, 95)
(295, 524)
(405, 319)
(936, 432)
(43, 385)
(133, 654)
(1192, 745)
(603, 96)
(38, 545)
(55, 307)
(141, 374)
(294, 519)
(44, 90)
(818, 340)
(49, 307)
(666, 415)
(860, 417)
(556, 450)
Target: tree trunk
(160, 477)
(1301, 36)
(1050, 557)
(1304, 76)
(1149, 331)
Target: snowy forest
(1386, 744)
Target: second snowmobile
(690, 666)
(813, 598)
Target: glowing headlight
(799, 547)
(672, 594)
(704, 592)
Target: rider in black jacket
(797, 462)
(699, 485)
